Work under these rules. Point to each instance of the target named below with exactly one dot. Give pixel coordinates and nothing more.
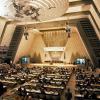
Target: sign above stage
(54, 48)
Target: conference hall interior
(49, 49)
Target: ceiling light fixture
(68, 29)
(26, 33)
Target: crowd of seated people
(88, 84)
(36, 82)
(48, 83)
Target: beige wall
(35, 44)
(25, 47)
(74, 48)
(95, 15)
(38, 48)
(8, 34)
(95, 27)
(97, 3)
(96, 18)
(2, 24)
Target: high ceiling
(34, 10)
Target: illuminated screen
(54, 48)
(80, 61)
(25, 60)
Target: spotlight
(68, 29)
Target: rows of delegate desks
(39, 82)
(87, 82)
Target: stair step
(92, 38)
(95, 42)
(85, 22)
(90, 34)
(15, 41)
(97, 52)
(95, 45)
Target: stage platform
(51, 65)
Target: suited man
(68, 95)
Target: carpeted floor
(71, 85)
